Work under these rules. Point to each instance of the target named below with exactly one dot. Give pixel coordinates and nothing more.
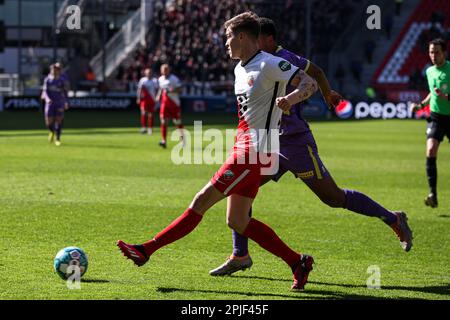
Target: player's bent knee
(432, 148)
(333, 200)
(205, 199)
(236, 225)
(432, 151)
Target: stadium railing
(122, 43)
(9, 84)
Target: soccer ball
(70, 256)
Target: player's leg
(431, 169)
(49, 115)
(177, 122)
(179, 228)
(435, 134)
(164, 123)
(240, 258)
(335, 197)
(266, 237)
(58, 127)
(150, 113)
(143, 119)
(175, 112)
(150, 122)
(324, 186)
(50, 123)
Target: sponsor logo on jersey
(251, 81)
(228, 175)
(344, 110)
(305, 175)
(284, 65)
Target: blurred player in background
(169, 95)
(438, 76)
(299, 154)
(54, 92)
(260, 88)
(146, 97)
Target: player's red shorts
(147, 105)
(170, 109)
(238, 177)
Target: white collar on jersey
(243, 64)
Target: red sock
(263, 235)
(143, 121)
(150, 121)
(179, 228)
(164, 132)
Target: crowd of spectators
(188, 34)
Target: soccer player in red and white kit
(260, 87)
(146, 97)
(169, 95)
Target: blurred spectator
(90, 75)
(371, 94)
(89, 81)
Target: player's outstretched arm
(306, 86)
(417, 106)
(332, 98)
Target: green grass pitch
(108, 182)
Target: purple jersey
(54, 90)
(292, 121)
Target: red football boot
(302, 271)
(132, 252)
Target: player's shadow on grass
(441, 289)
(444, 216)
(95, 281)
(308, 294)
(86, 131)
(243, 293)
(96, 146)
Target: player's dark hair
(439, 42)
(268, 27)
(247, 22)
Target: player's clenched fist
(333, 99)
(283, 103)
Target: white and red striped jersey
(168, 84)
(258, 82)
(147, 88)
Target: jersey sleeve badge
(284, 65)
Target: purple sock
(58, 127)
(240, 243)
(360, 203)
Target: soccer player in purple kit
(299, 154)
(54, 92)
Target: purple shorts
(54, 110)
(299, 155)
